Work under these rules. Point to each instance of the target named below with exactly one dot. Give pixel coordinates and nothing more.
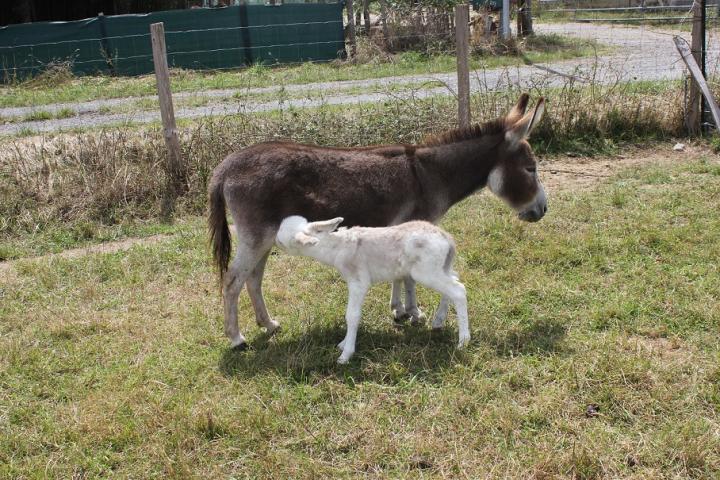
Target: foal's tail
(218, 227)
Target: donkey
(369, 186)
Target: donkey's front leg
(396, 305)
(356, 295)
(411, 307)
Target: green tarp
(203, 38)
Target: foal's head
(514, 175)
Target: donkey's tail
(218, 227)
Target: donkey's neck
(453, 171)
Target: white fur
(495, 180)
(363, 256)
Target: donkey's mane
(472, 132)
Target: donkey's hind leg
(242, 265)
(254, 286)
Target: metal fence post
(693, 114)
(703, 103)
(506, 19)
(174, 169)
(462, 39)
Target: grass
(594, 355)
(40, 115)
(57, 237)
(76, 89)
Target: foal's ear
(304, 239)
(518, 110)
(522, 128)
(324, 226)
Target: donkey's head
(514, 176)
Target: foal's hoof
(401, 320)
(240, 347)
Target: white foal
(364, 256)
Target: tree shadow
(387, 355)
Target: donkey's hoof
(401, 320)
(417, 318)
(240, 347)
(273, 329)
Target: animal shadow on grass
(539, 337)
(385, 355)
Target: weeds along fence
(606, 83)
(203, 38)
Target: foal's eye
(531, 169)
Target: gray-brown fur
(370, 186)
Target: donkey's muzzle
(533, 215)
(536, 210)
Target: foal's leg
(441, 313)
(356, 295)
(396, 305)
(451, 288)
(254, 287)
(416, 316)
(442, 310)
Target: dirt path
(558, 174)
(639, 54)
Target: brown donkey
(371, 186)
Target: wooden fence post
(693, 110)
(174, 168)
(351, 29)
(462, 39)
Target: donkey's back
(265, 183)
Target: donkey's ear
(324, 226)
(518, 110)
(304, 239)
(522, 128)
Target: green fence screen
(203, 38)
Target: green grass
(57, 237)
(407, 63)
(40, 115)
(115, 364)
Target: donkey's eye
(531, 169)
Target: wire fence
(404, 56)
